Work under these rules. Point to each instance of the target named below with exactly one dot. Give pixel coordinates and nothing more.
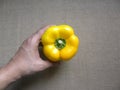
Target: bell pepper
(59, 43)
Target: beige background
(96, 66)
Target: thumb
(37, 36)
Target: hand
(27, 59)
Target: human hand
(27, 59)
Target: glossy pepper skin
(60, 43)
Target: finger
(39, 33)
(51, 64)
(48, 64)
(42, 30)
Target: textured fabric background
(96, 66)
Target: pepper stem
(60, 43)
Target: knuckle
(27, 42)
(31, 41)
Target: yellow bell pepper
(59, 43)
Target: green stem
(60, 43)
